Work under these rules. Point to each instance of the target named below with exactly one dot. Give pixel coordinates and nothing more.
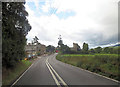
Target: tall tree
(60, 42)
(35, 40)
(85, 48)
(15, 27)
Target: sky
(77, 21)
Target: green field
(104, 64)
(9, 75)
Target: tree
(98, 49)
(111, 50)
(85, 48)
(15, 27)
(116, 50)
(64, 49)
(50, 48)
(60, 42)
(92, 51)
(108, 50)
(35, 40)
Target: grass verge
(9, 75)
(104, 64)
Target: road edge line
(21, 76)
(102, 76)
(92, 72)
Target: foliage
(74, 52)
(116, 50)
(50, 48)
(98, 49)
(64, 49)
(35, 40)
(11, 74)
(15, 27)
(106, 50)
(91, 51)
(60, 43)
(85, 48)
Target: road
(46, 70)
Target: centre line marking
(56, 81)
(56, 74)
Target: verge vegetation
(11, 74)
(15, 27)
(104, 64)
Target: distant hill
(116, 45)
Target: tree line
(64, 49)
(15, 27)
(109, 50)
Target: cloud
(91, 21)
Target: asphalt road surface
(46, 70)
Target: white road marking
(102, 76)
(91, 72)
(56, 81)
(57, 74)
(21, 76)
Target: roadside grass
(104, 64)
(9, 75)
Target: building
(30, 50)
(75, 47)
(33, 50)
(40, 49)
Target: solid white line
(56, 81)
(21, 76)
(57, 74)
(92, 72)
(101, 76)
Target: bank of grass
(9, 75)
(104, 64)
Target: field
(104, 64)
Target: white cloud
(94, 20)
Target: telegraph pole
(60, 42)
(60, 37)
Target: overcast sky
(92, 21)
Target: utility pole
(60, 42)
(60, 37)
(32, 47)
